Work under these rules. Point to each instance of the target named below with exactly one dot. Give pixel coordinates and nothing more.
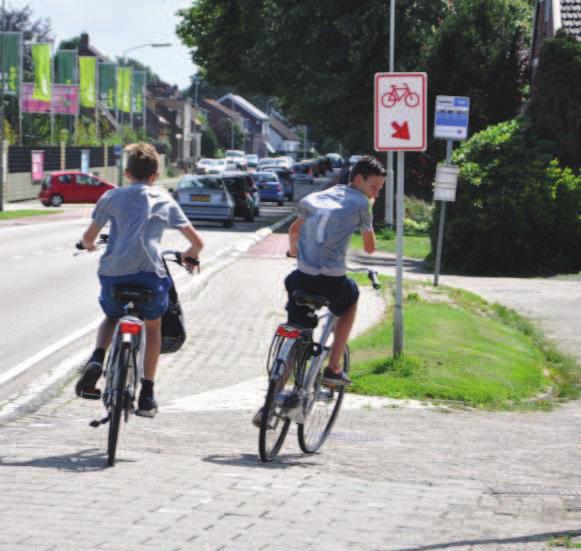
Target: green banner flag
(107, 72)
(11, 46)
(42, 73)
(88, 81)
(64, 70)
(137, 91)
(124, 89)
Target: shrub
(516, 210)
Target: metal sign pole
(449, 146)
(390, 174)
(398, 309)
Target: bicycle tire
(307, 434)
(116, 407)
(412, 99)
(389, 99)
(276, 384)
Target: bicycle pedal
(96, 423)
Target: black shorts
(340, 291)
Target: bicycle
(400, 93)
(124, 366)
(295, 392)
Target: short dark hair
(367, 166)
(142, 160)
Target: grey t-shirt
(139, 214)
(330, 218)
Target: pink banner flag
(65, 100)
(37, 165)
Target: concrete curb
(28, 400)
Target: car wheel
(280, 203)
(256, 212)
(45, 203)
(228, 223)
(56, 200)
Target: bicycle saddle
(311, 301)
(127, 293)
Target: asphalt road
(48, 294)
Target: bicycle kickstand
(95, 423)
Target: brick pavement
(390, 478)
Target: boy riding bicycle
(138, 214)
(319, 238)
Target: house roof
(571, 17)
(246, 105)
(280, 128)
(222, 108)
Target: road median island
(461, 349)
(25, 213)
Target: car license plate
(200, 198)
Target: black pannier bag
(173, 326)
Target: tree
(554, 106)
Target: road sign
(451, 119)
(400, 111)
(446, 182)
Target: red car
(71, 187)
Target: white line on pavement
(17, 257)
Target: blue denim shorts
(148, 280)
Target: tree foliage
(555, 106)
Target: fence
(19, 183)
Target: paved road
(404, 476)
(48, 294)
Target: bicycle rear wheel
(274, 425)
(117, 400)
(320, 420)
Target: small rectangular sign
(446, 182)
(451, 117)
(400, 111)
(37, 165)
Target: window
(84, 179)
(95, 182)
(64, 179)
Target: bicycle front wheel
(320, 420)
(117, 401)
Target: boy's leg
(341, 336)
(147, 405)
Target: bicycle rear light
(288, 332)
(130, 328)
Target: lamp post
(390, 174)
(2, 84)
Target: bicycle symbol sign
(400, 111)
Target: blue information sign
(451, 119)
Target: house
(550, 16)
(222, 120)
(255, 124)
(282, 138)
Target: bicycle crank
(96, 423)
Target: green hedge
(517, 210)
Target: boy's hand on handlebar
(190, 263)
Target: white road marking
(17, 257)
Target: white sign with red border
(400, 111)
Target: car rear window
(266, 177)
(64, 179)
(201, 183)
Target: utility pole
(2, 84)
(390, 175)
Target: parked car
(336, 161)
(353, 159)
(241, 187)
(270, 187)
(211, 166)
(71, 187)
(236, 158)
(285, 177)
(205, 198)
(252, 160)
(302, 173)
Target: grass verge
(414, 246)
(10, 214)
(460, 348)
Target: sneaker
(85, 387)
(257, 419)
(333, 378)
(146, 406)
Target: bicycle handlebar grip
(192, 261)
(374, 281)
(104, 237)
(79, 246)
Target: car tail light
(129, 328)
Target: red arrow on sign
(401, 131)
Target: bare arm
(88, 239)
(195, 239)
(293, 235)
(368, 241)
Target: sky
(116, 25)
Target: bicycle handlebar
(371, 274)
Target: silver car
(205, 198)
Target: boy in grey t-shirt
(319, 237)
(138, 215)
